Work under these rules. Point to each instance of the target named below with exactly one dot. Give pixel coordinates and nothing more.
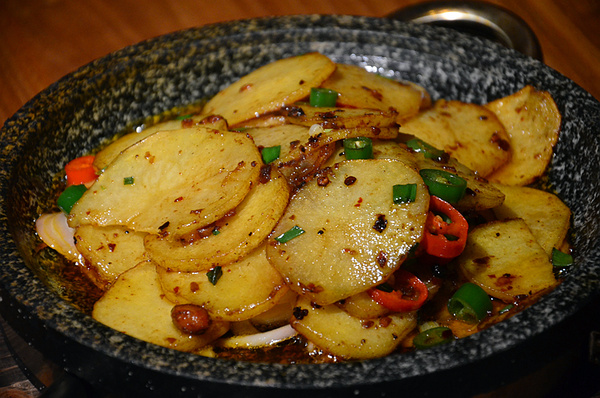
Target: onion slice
(54, 231)
(258, 340)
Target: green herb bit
(128, 181)
(358, 148)
(406, 193)
(70, 196)
(561, 259)
(290, 234)
(271, 153)
(214, 274)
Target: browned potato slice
(111, 151)
(355, 236)
(468, 132)
(546, 215)
(340, 118)
(136, 305)
(270, 87)
(341, 334)
(172, 180)
(238, 234)
(110, 251)
(359, 88)
(362, 306)
(532, 121)
(504, 258)
(247, 288)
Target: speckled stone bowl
(84, 108)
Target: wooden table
(42, 40)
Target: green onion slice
(428, 151)
(271, 153)
(358, 148)
(560, 259)
(128, 181)
(406, 193)
(290, 234)
(70, 196)
(322, 97)
(432, 337)
(470, 303)
(444, 185)
(214, 274)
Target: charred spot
(502, 143)
(254, 163)
(194, 287)
(294, 144)
(382, 259)
(350, 180)
(483, 117)
(315, 138)
(164, 226)
(323, 181)
(246, 87)
(482, 260)
(320, 232)
(187, 123)
(505, 280)
(179, 199)
(375, 130)
(295, 111)
(373, 93)
(380, 224)
(111, 247)
(358, 202)
(301, 82)
(327, 115)
(385, 321)
(367, 323)
(299, 313)
(265, 174)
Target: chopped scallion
(214, 274)
(271, 153)
(358, 148)
(70, 196)
(561, 259)
(406, 193)
(290, 234)
(128, 181)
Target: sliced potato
(504, 258)
(110, 251)
(270, 87)
(172, 181)
(340, 118)
(468, 132)
(246, 288)
(341, 334)
(358, 88)
(111, 151)
(532, 121)
(362, 306)
(237, 235)
(354, 235)
(136, 305)
(546, 215)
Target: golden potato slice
(532, 121)
(270, 87)
(135, 305)
(246, 288)
(546, 215)
(354, 235)
(110, 251)
(111, 151)
(340, 118)
(362, 306)
(358, 88)
(468, 132)
(343, 335)
(238, 234)
(504, 258)
(172, 181)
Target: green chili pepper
(70, 196)
(404, 193)
(470, 303)
(444, 185)
(322, 97)
(432, 337)
(358, 148)
(271, 153)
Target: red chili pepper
(409, 293)
(435, 238)
(80, 171)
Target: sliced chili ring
(444, 184)
(441, 238)
(408, 293)
(470, 303)
(432, 337)
(358, 148)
